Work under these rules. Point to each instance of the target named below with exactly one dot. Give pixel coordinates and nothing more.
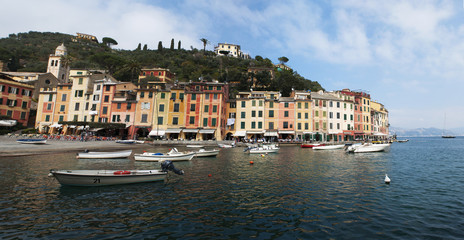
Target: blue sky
(409, 55)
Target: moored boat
(126, 141)
(270, 148)
(172, 155)
(117, 154)
(91, 178)
(311, 145)
(32, 141)
(221, 145)
(368, 147)
(207, 153)
(329, 147)
(195, 146)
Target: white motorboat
(195, 146)
(272, 148)
(91, 178)
(329, 147)
(117, 154)
(368, 147)
(172, 155)
(221, 145)
(207, 153)
(32, 141)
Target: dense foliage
(29, 52)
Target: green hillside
(29, 52)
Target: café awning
(157, 133)
(207, 131)
(255, 132)
(286, 132)
(271, 134)
(173, 130)
(191, 130)
(240, 134)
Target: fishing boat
(92, 178)
(221, 145)
(207, 153)
(403, 141)
(98, 155)
(270, 148)
(32, 141)
(368, 147)
(311, 145)
(172, 155)
(329, 147)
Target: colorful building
(15, 99)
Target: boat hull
(32, 141)
(207, 153)
(365, 148)
(311, 145)
(104, 155)
(329, 147)
(150, 157)
(93, 178)
(252, 151)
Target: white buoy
(387, 179)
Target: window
(173, 96)
(192, 120)
(214, 108)
(63, 97)
(116, 118)
(210, 87)
(218, 88)
(129, 106)
(306, 115)
(144, 118)
(194, 96)
(96, 97)
(81, 80)
(306, 105)
(127, 118)
(317, 114)
(62, 108)
(271, 104)
(150, 95)
(260, 113)
(271, 113)
(338, 125)
(175, 121)
(330, 125)
(330, 115)
(192, 107)
(207, 96)
(271, 125)
(253, 125)
(253, 113)
(260, 124)
(242, 125)
(299, 126)
(176, 107)
(286, 105)
(75, 118)
(330, 104)
(206, 108)
(118, 106)
(50, 97)
(299, 105)
(338, 115)
(160, 120)
(260, 103)
(243, 104)
(107, 98)
(108, 88)
(105, 110)
(142, 94)
(24, 104)
(213, 122)
(253, 103)
(161, 108)
(98, 87)
(61, 118)
(23, 115)
(299, 115)
(316, 125)
(285, 125)
(215, 96)
(163, 95)
(344, 116)
(243, 114)
(76, 107)
(47, 117)
(181, 96)
(306, 126)
(285, 113)
(205, 122)
(233, 105)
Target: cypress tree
(145, 48)
(160, 46)
(178, 45)
(172, 44)
(139, 47)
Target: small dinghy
(387, 179)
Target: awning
(271, 134)
(194, 130)
(255, 132)
(71, 126)
(379, 134)
(93, 113)
(308, 133)
(240, 134)
(207, 131)
(173, 130)
(286, 132)
(157, 133)
(80, 128)
(95, 129)
(56, 125)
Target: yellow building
(63, 93)
(366, 114)
(320, 118)
(303, 114)
(379, 116)
(176, 108)
(231, 111)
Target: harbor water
(294, 194)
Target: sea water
(296, 193)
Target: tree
(283, 60)
(145, 48)
(178, 45)
(109, 41)
(139, 47)
(160, 46)
(172, 44)
(205, 42)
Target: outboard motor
(169, 166)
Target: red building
(15, 99)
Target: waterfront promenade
(9, 146)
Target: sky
(408, 55)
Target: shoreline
(10, 148)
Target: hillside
(28, 52)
